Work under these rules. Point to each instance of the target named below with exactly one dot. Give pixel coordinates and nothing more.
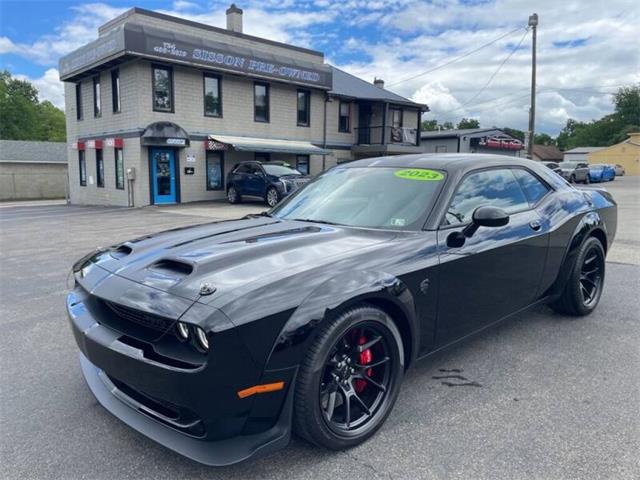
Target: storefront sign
(214, 145)
(114, 142)
(176, 141)
(189, 170)
(163, 44)
(77, 145)
(501, 142)
(191, 158)
(97, 144)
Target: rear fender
(592, 223)
(334, 295)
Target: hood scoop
(121, 251)
(173, 267)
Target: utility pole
(533, 23)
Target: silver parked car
(619, 170)
(575, 172)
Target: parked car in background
(575, 172)
(601, 172)
(619, 170)
(553, 166)
(271, 181)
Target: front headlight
(202, 338)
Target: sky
(586, 49)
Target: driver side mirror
(486, 216)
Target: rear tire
(572, 179)
(233, 196)
(583, 290)
(336, 408)
(587, 180)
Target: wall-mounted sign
(176, 141)
(189, 170)
(114, 142)
(191, 158)
(502, 142)
(215, 145)
(77, 145)
(97, 144)
(163, 44)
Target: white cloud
(49, 87)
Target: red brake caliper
(365, 357)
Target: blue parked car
(270, 181)
(601, 172)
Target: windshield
(568, 164)
(373, 197)
(279, 170)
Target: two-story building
(159, 110)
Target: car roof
(450, 162)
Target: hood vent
(121, 251)
(172, 266)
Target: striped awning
(270, 145)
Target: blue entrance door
(163, 175)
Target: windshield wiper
(256, 215)
(311, 220)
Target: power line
(506, 59)
(548, 89)
(471, 52)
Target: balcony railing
(392, 135)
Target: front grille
(144, 319)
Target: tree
(627, 105)
(468, 123)
(543, 139)
(432, 125)
(514, 132)
(24, 117)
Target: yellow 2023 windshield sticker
(421, 174)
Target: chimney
(378, 82)
(234, 18)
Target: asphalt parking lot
(546, 396)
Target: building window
(79, 101)
(304, 107)
(212, 96)
(115, 90)
(215, 171)
(302, 164)
(99, 169)
(396, 117)
(441, 148)
(261, 102)
(162, 89)
(119, 158)
(82, 167)
(97, 99)
(344, 123)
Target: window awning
(252, 144)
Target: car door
(254, 182)
(498, 270)
(582, 172)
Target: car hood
(205, 261)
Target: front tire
(349, 379)
(583, 290)
(572, 179)
(272, 197)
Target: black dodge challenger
(219, 340)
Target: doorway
(163, 176)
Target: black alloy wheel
(591, 276)
(350, 379)
(584, 286)
(355, 379)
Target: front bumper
(195, 412)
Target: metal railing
(386, 135)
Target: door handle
(535, 225)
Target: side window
(498, 188)
(533, 188)
(241, 169)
